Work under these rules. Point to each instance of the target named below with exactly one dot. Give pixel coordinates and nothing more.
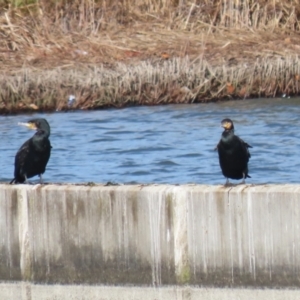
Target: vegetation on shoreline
(118, 53)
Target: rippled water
(163, 144)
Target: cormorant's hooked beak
(226, 125)
(28, 125)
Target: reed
(91, 16)
(177, 80)
(133, 52)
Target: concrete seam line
(24, 240)
(180, 236)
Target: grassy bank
(118, 53)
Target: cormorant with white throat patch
(34, 154)
(233, 153)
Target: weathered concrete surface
(27, 291)
(151, 235)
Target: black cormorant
(233, 153)
(33, 156)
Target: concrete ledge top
(192, 186)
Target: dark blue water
(164, 144)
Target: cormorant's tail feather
(13, 181)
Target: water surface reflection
(163, 144)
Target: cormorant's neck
(227, 134)
(42, 133)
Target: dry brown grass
(121, 52)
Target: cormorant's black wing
(20, 160)
(245, 146)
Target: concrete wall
(151, 235)
(27, 291)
